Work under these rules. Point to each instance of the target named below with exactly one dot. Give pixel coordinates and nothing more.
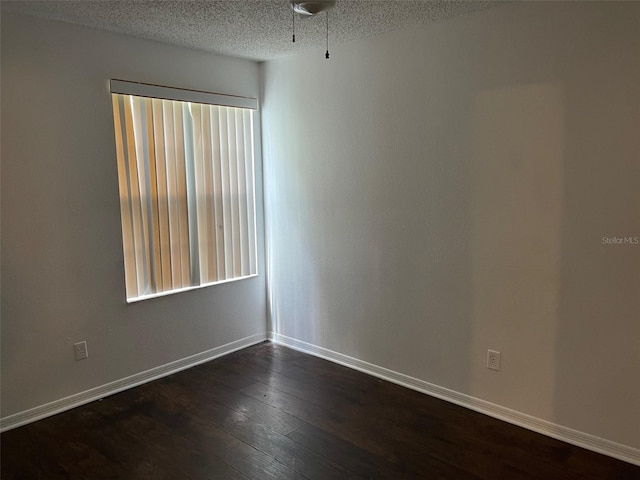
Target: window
(186, 180)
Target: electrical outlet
(81, 350)
(493, 360)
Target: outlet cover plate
(493, 360)
(81, 350)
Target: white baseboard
(574, 437)
(75, 400)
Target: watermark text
(621, 240)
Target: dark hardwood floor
(269, 412)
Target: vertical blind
(187, 198)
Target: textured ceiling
(253, 29)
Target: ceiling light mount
(310, 8)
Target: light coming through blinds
(187, 197)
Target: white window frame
(147, 262)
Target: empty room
(349, 239)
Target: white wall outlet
(81, 350)
(493, 360)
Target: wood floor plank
(18, 445)
(270, 412)
(208, 396)
(264, 428)
(413, 419)
(373, 433)
(252, 422)
(163, 432)
(175, 431)
(365, 464)
(84, 446)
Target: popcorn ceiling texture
(256, 30)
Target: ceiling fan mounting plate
(311, 7)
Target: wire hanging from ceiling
(326, 55)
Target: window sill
(186, 289)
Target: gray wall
(440, 191)
(62, 270)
